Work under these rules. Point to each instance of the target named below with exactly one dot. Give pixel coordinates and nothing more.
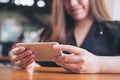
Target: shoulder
(112, 23)
(112, 26)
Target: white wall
(114, 8)
(116, 12)
(110, 5)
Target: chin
(79, 17)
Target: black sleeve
(118, 38)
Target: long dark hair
(62, 25)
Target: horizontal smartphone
(43, 51)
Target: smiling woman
(88, 37)
(76, 10)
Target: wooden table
(4, 58)
(51, 73)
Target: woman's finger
(17, 63)
(26, 59)
(69, 48)
(28, 63)
(71, 59)
(17, 51)
(23, 55)
(73, 67)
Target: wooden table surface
(4, 58)
(51, 73)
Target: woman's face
(78, 9)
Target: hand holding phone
(43, 51)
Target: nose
(73, 3)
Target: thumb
(72, 49)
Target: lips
(76, 11)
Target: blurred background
(29, 17)
(21, 17)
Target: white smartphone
(43, 50)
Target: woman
(86, 25)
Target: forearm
(110, 64)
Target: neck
(82, 29)
(85, 23)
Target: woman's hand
(79, 61)
(22, 57)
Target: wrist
(102, 64)
(98, 66)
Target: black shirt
(103, 39)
